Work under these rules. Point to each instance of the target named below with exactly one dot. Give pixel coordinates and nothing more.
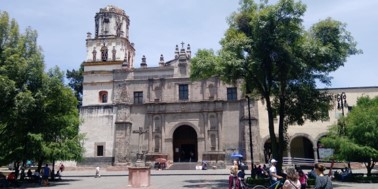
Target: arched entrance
(185, 144)
(301, 147)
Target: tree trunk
(272, 134)
(281, 132)
(39, 165)
(53, 171)
(369, 166)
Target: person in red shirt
(303, 179)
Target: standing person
(45, 175)
(322, 181)
(233, 181)
(97, 172)
(61, 167)
(273, 172)
(303, 179)
(292, 179)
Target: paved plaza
(166, 179)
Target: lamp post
(250, 133)
(341, 104)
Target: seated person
(204, 165)
(36, 176)
(163, 165)
(22, 176)
(12, 178)
(58, 175)
(29, 174)
(3, 181)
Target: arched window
(103, 96)
(104, 53)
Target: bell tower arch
(111, 38)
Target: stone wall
(96, 161)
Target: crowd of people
(38, 176)
(291, 178)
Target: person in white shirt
(273, 171)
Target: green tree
(60, 120)
(358, 141)
(76, 82)
(267, 47)
(21, 68)
(39, 119)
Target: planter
(139, 177)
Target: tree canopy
(267, 47)
(76, 82)
(358, 141)
(38, 119)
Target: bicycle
(275, 185)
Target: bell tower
(110, 44)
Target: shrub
(258, 181)
(311, 182)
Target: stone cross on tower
(140, 132)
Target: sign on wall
(325, 152)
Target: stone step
(183, 166)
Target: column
(289, 160)
(201, 148)
(316, 155)
(205, 133)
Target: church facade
(159, 112)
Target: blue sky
(157, 26)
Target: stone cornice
(102, 63)
(97, 72)
(97, 82)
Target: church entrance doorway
(185, 144)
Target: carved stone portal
(122, 141)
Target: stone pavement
(166, 179)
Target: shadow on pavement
(51, 183)
(206, 183)
(340, 185)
